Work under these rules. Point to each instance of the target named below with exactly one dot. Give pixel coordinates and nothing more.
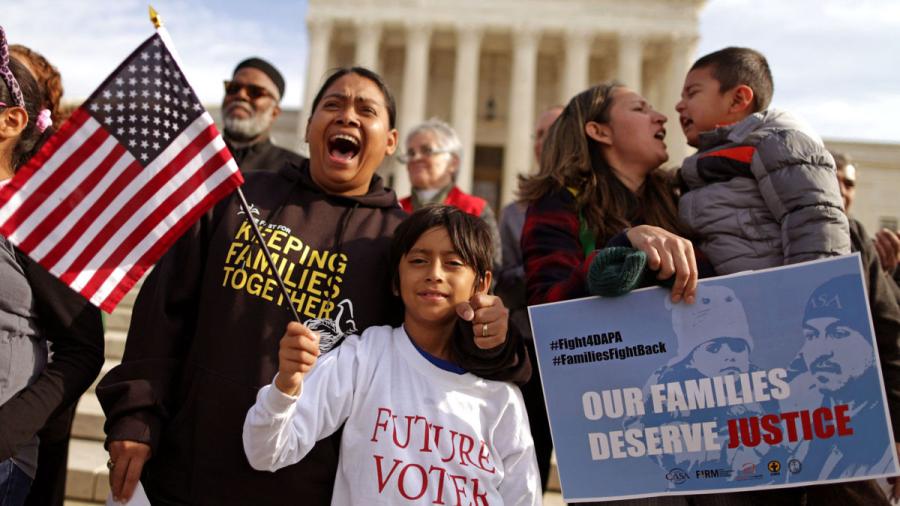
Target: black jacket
(884, 301)
(74, 330)
(263, 156)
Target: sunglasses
(253, 91)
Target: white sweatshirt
(414, 433)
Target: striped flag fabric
(131, 170)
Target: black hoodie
(206, 327)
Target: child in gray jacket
(761, 190)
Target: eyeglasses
(849, 183)
(253, 91)
(425, 152)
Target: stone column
(368, 38)
(465, 99)
(319, 42)
(630, 61)
(681, 56)
(415, 85)
(517, 153)
(578, 63)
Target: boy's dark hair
(338, 73)
(470, 236)
(734, 66)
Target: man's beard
(245, 129)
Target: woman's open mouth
(343, 147)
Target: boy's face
(434, 279)
(702, 107)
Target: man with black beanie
(249, 109)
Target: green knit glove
(616, 271)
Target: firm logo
(705, 474)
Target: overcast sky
(835, 62)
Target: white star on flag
(97, 206)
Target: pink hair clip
(43, 120)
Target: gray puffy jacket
(763, 193)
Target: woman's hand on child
(669, 254)
(126, 462)
(297, 355)
(489, 318)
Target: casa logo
(774, 467)
(794, 466)
(677, 476)
(712, 473)
(748, 472)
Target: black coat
(263, 156)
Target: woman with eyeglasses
(37, 311)
(432, 157)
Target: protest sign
(770, 379)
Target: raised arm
(298, 409)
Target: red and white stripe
(87, 211)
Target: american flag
(133, 168)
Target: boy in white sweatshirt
(417, 428)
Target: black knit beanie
(267, 69)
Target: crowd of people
(407, 380)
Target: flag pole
(262, 243)
(157, 23)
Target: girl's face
(721, 356)
(349, 135)
(429, 167)
(634, 138)
(434, 279)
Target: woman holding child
(206, 326)
(601, 185)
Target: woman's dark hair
(336, 74)
(31, 138)
(571, 159)
(470, 236)
(47, 77)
